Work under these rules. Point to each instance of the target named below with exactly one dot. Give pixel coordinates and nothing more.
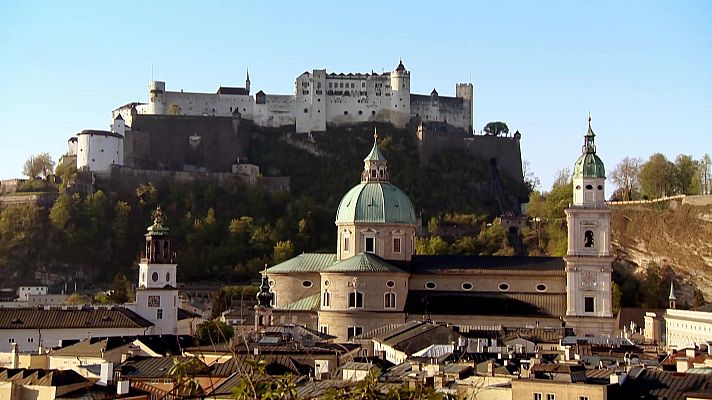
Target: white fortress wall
(213, 104)
(275, 111)
(98, 151)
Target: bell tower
(588, 257)
(263, 309)
(157, 293)
(375, 165)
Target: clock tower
(588, 257)
(157, 293)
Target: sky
(642, 68)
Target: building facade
(375, 278)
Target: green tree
(685, 175)
(496, 128)
(61, 212)
(102, 298)
(67, 172)
(120, 226)
(214, 331)
(656, 177)
(121, 289)
(616, 298)
(40, 165)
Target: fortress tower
(156, 97)
(588, 258)
(466, 93)
(400, 96)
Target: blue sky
(643, 69)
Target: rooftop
(70, 318)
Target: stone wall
(44, 199)
(10, 185)
(179, 143)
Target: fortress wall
(699, 200)
(441, 109)
(505, 150)
(10, 185)
(174, 142)
(277, 111)
(209, 104)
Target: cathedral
(375, 278)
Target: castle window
(324, 329)
(430, 285)
(373, 113)
(154, 277)
(390, 283)
(389, 300)
(307, 284)
(541, 287)
(466, 286)
(503, 287)
(370, 244)
(329, 84)
(346, 113)
(355, 300)
(589, 304)
(363, 84)
(341, 84)
(346, 243)
(589, 187)
(600, 187)
(360, 112)
(578, 187)
(326, 299)
(353, 331)
(159, 313)
(306, 110)
(168, 276)
(397, 245)
(588, 239)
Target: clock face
(588, 278)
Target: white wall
(98, 151)
(29, 339)
(685, 327)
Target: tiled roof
(305, 262)
(166, 344)
(309, 303)
(233, 90)
(94, 347)
(100, 133)
(654, 384)
(91, 318)
(300, 331)
(363, 262)
(484, 303)
(375, 202)
(360, 366)
(43, 377)
(450, 264)
(158, 367)
(185, 314)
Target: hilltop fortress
(320, 100)
(206, 136)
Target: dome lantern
(375, 165)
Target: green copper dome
(589, 165)
(378, 202)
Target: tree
(656, 176)
(121, 289)
(77, 299)
(626, 175)
(530, 179)
(283, 251)
(61, 212)
(214, 331)
(705, 174)
(67, 172)
(221, 303)
(40, 165)
(684, 174)
(496, 128)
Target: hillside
(670, 235)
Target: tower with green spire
(588, 256)
(589, 173)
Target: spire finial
(248, 74)
(672, 292)
(375, 134)
(589, 118)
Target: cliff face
(674, 235)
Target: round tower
(400, 96)
(156, 97)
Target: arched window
(326, 299)
(588, 239)
(355, 300)
(389, 300)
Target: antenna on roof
(151, 70)
(470, 81)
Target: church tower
(263, 309)
(588, 258)
(157, 293)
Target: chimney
(15, 357)
(690, 353)
(681, 364)
(490, 367)
(124, 357)
(122, 387)
(709, 348)
(617, 379)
